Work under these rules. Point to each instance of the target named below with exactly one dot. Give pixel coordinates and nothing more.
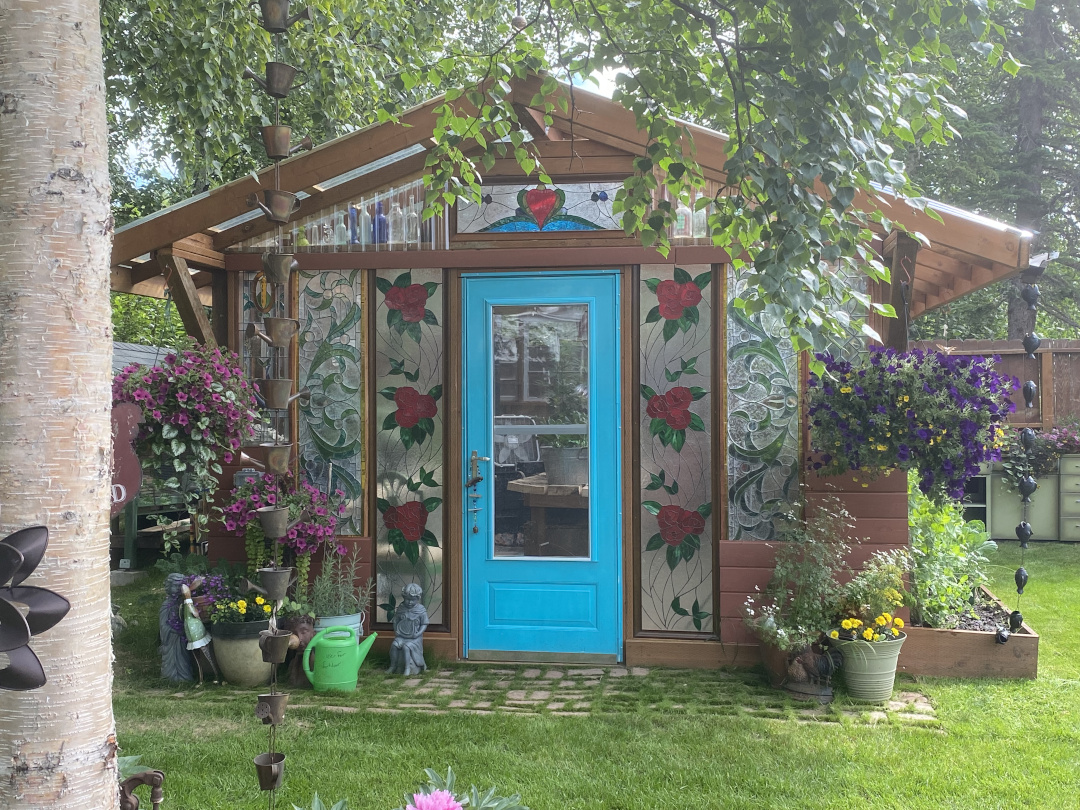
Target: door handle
(474, 469)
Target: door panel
(542, 525)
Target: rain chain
(1028, 484)
(270, 291)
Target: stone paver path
(582, 691)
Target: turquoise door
(542, 522)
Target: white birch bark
(57, 744)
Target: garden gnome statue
(198, 640)
(410, 622)
(175, 659)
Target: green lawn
(674, 739)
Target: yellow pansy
(266, 608)
(241, 604)
(259, 600)
(834, 634)
(846, 389)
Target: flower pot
(236, 648)
(276, 581)
(869, 667)
(566, 465)
(270, 769)
(274, 646)
(352, 620)
(271, 708)
(274, 520)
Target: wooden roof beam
(186, 297)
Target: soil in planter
(983, 615)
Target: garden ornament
(1023, 533)
(175, 658)
(1027, 487)
(275, 15)
(1028, 391)
(279, 331)
(338, 662)
(271, 708)
(154, 779)
(410, 622)
(277, 457)
(1021, 577)
(1027, 439)
(1032, 343)
(1001, 636)
(20, 553)
(1030, 294)
(279, 267)
(279, 79)
(270, 769)
(279, 205)
(277, 139)
(1016, 620)
(198, 640)
(277, 392)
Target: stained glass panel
(515, 208)
(409, 437)
(676, 480)
(763, 420)
(330, 342)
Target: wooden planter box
(969, 653)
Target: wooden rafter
(186, 297)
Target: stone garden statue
(175, 659)
(410, 622)
(198, 640)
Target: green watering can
(339, 659)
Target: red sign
(127, 471)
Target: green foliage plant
(317, 804)
(801, 599)
(948, 559)
(438, 794)
(334, 591)
(567, 402)
(870, 598)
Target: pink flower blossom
(436, 800)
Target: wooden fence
(1055, 370)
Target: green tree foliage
(811, 95)
(147, 321)
(1016, 160)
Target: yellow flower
(834, 634)
(846, 624)
(266, 608)
(242, 605)
(856, 622)
(905, 399)
(880, 621)
(888, 617)
(882, 447)
(868, 634)
(242, 610)
(899, 622)
(895, 632)
(846, 389)
(877, 637)
(259, 600)
(232, 604)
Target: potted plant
(918, 410)
(870, 635)
(566, 455)
(313, 517)
(800, 601)
(335, 598)
(237, 620)
(197, 409)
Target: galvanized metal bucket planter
(270, 768)
(565, 465)
(869, 667)
(354, 621)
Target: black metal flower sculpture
(1032, 343)
(1023, 533)
(1030, 294)
(1028, 389)
(20, 554)
(1016, 620)
(1027, 439)
(1021, 577)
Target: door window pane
(540, 358)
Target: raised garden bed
(970, 653)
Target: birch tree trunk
(57, 743)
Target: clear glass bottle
(363, 225)
(341, 227)
(701, 221)
(412, 225)
(396, 224)
(683, 228)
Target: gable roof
(964, 252)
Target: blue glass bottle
(379, 227)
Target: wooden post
(219, 306)
(899, 252)
(1046, 388)
(185, 296)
